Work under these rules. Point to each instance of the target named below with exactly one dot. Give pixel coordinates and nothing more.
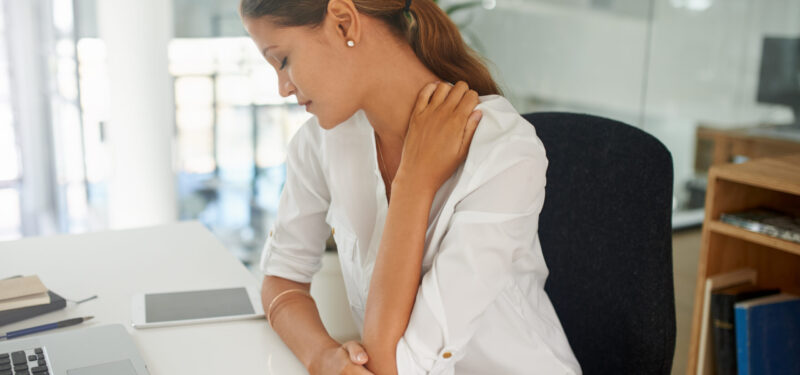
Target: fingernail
(361, 356)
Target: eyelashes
(283, 63)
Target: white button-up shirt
(481, 307)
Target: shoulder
(503, 138)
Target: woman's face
(314, 64)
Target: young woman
(435, 218)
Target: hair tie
(408, 6)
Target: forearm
(296, 319)
(396, 276)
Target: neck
(391, 99)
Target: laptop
(101, 350)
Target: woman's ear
(345, 18)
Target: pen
(45, 327)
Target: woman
(434, 217)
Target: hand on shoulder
(439, 134)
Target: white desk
(117, 264)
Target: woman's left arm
(439, 135)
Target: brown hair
(432, 35)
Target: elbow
(273, 285)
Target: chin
(326, 125)
(329, 122)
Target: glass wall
(669, 67)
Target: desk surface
(116, 265)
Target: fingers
(356, 352)
(442, 93)
(424, 96)
(456, 94)
(469, 130)
(442, 89)
(468, 102)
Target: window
(232, 132)
(10, 166)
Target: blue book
(768, 335)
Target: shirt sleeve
(489, 228)
(297, 240)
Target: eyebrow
(264, 51)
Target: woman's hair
(432, 35)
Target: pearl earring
(351, 43)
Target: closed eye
(283, 63)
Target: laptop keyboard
(24, 362)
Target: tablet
(195, 306)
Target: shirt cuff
(410, 363)
(277, 263)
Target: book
(18, 292)
(768, 335)
(763, 220)
(15, 315)
(722, 318)
(705, 357)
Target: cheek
(328, 80)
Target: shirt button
(270, 233)
(333, 231)
(447, 355)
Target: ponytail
(437, 42)
(434, 38)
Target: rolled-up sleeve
(489, 228)
(297, 240)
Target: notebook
(22, 291)
(15, 315)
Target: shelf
(754, 237)
(777, 174)
(762, 182)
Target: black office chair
(606, 236)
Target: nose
(285, 86)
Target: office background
(119, 114)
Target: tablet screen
(165, 307)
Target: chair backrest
(605, 231)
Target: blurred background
(117, 114)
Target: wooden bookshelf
(769, 182)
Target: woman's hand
(439, 134)
(349, 358)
